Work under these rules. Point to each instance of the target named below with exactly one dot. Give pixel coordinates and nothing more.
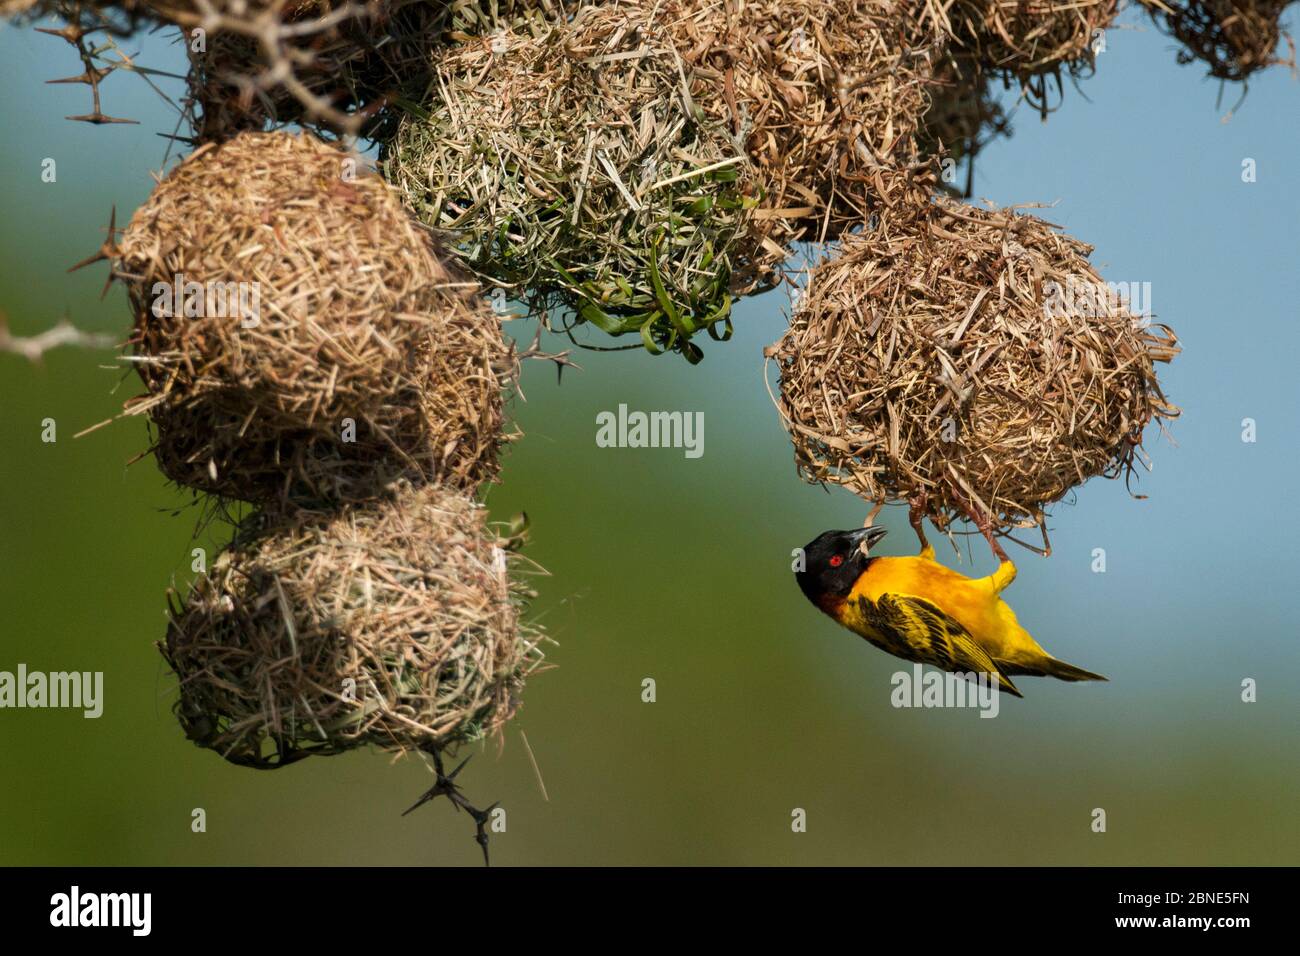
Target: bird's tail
(1004, 682)
(1051, 667)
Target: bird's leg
(1006, 572)
(985, 526)
(916, 515)
(444, 785)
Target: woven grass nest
(1030, 41)
(118, 16)
(1233, 38)
(357, 321)
(395, 625)
(332, 67)
(823, 93)
(1024, 37)
(12, 8)
(569, 167)
(930, 362)
(327, 71)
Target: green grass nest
(570, 166)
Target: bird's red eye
(837, 560)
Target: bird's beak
(867, 537)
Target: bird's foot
(444, 785)
(916, 515)
(984, 524)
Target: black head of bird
(833, 561)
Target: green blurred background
(678, 569)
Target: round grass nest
(1024, 37)
(320, 67)
(332, 67)
(1028, 40)
(191, 13)
(119, 17)
(931, 361)
(823, 93)
(1233, 38)
(394, 624)
(12, 8)
(334, 350)
(568, 165)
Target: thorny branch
(561, 359)
(75, 32)
(34, 347)
(272, 35)
(445, 786)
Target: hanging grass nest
(119, 17)
(822, 93)
(331, 69)
(394, 624)
(570, 167)
(191, 13)
(13, 8)
(1031, 41)
(1233, 38)
(968, 361)
(298, 335)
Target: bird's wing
(917, 630)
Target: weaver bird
(919, 610)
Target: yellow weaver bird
(919, 610)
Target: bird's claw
(918, 506)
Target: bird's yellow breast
(972, 602)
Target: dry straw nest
(569, 165)
(12, 8)
(118, 16)
(1028, 40)
(395, 624)
(336, 67)
(965, 360)
(1233, 38)
(332, 68)
(823, 93)
(355, 355)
